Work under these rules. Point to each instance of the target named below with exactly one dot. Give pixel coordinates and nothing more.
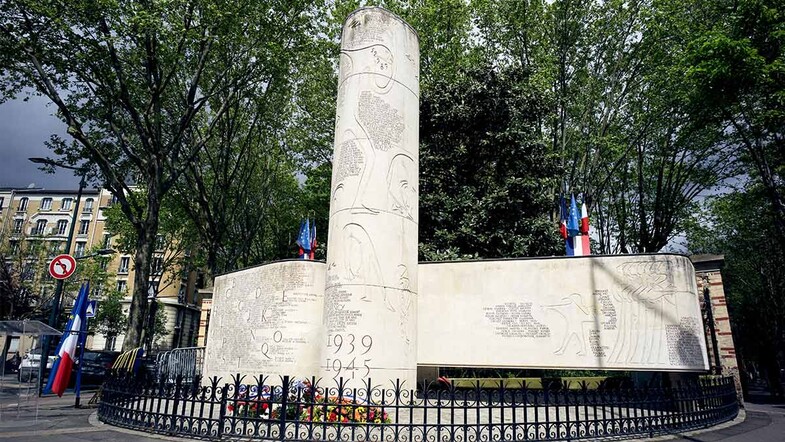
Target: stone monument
(370, 314)
(357, 316)
(267, 320)
(623, 312)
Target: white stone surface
(370, 292)
(267, 320)
(613, 312)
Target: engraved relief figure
(401, 186)
(381, 124)
(345, 71)
(383, 127)
(642, 302)
(576, 316)
(361, 263)
(403, 302)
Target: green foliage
(25, 287)
(159, 325)
(736, 73)
(734, 70)
(143, 86)
(109, 319)
(484, 172)
(739, 226)
(176, 241)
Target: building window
(79, 251)
(46, 204)
(159, 242)
(84, 226)
(152, 289)
(40, 227)
(57, 247)
(88, 205)
(158, 265)
(123, 264)
(107, 244)
(66, 204)
(121, 286)
(18, 223)
(112, 201)
(2, 200)
(23, 204)
(62, 225)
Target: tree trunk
(145, 243)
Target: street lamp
(59, 287)
(100, 252)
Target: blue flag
(573, 219)
(304, 239)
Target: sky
(24, 128)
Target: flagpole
(82, 343)
(78, 386)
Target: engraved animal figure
(576, 314)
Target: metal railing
(185, 363)
(289, 409)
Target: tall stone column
(370, 300)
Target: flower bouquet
(344, 410)
(251, 402)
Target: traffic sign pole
(58, 292)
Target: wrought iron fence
(291, 409)
(183, 362)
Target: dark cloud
(24, 128)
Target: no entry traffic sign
(62, 266)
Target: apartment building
(34, 214)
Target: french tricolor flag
(582, 246)
(66, 351)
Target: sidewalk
(765, 422)
(25, 417)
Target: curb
(93, 419)
(741, 417)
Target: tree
(141, 87)
(176, 248)
(736, 71)
(484, 171)
(739, 225)
(23, 278)
(109, 319)
(736, 74)
(241, 195)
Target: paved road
(764, 423)
(55, 420)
